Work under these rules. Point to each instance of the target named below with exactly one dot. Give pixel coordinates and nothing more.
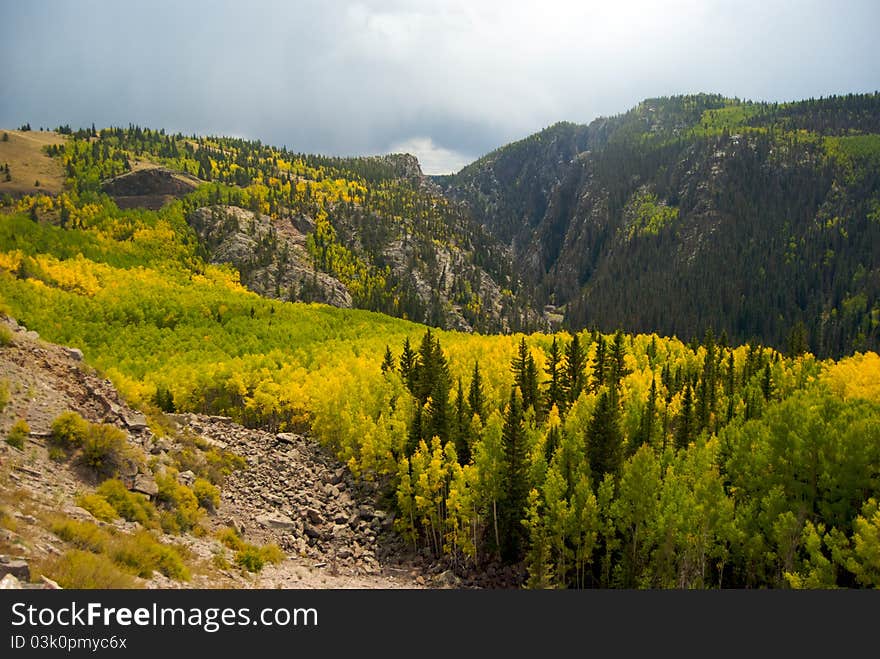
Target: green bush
(18, 434)
(253, 558)
(82, 569)
(83, 535)
(208, 495)
(139, 553)
(143, 554)
(131, 506)
(230, 539)
(69, 430)
(98, 506)
(5, 336)
(104, 447)
(182, 511)
(4, 394)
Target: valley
(634, 354)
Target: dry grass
(28, 163)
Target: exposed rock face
(270, 254)
(149, 188)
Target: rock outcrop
(270, 254)
(150, 188)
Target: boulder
(145, 484)
(276, 521)
(134, 420)
(74, 353)
(9, 582)
(16, 567)
(186, 478)
(287, 437)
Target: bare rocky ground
(290, 492)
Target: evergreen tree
(476, 397)
(604, 439)
(645, 433)
(574, 380)
(767, 383)
(525, 375)
(598, 365)
(554, 395)
(514, 498)
(407, 364)
(462, 427)
(388, 364)
(684, 432)
(617, 362)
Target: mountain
(372, 233)
(759, 220)
(582, 459)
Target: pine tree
(554, 395)
(388, 364)
(645, 433)
(514, 498)
(598, 365)
(462, 427)
(407, 364)
(525, 375)
(604, 439)
(685, 429)
(476, 397)
(617, 363)
(767, 383)
(574, 380)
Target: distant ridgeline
(758, 220)
(570, 459)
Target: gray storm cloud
(447, 81)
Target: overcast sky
(445, 80)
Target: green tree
(599, 365)
(685, 429)
(476, 398)
(554, 394)
(388, 364)
(574, 379)
(604, 439)
(462, 421)
(513, 503)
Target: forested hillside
(575, 459)
(372, 233)
(695, 212)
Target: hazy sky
(445, 80)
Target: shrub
(5, 336)
(83, 535)
(207, 495)
(18, 434)
(98, 506)
(82, 569)
(140, 553)
(230, 539)
(253, 558)
(57, 454)
(143, 554)
(104, 448)
(182, 507)
(131, 506)
(69, 430)
(4, 394)
(250, 558)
